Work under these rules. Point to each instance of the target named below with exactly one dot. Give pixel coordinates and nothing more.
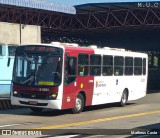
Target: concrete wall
(14, 34)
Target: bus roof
(72, 47)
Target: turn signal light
(54, 95)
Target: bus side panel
(107, 89)
(5, 73)
(69, 94)
(139, 87)
(139, 84)
(82, 84)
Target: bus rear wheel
(124, 98)
(36, 109)
(79, 104)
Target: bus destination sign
(38, 49)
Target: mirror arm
(8, 63)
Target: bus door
(77, 79)
(85, 82)
(70, 84)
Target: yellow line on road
(99, 120)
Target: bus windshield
(37, 70)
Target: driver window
(70, 70)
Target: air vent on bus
(108, 48)
(56, 43)
(64, 44)
(72, 44)
(92, 46)
(118, 49)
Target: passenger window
(70, 70)
(11, 50)
(144, 66)
(1, 50)
(95, 65)
(82, 64)
(137, 66)
(128, 66)
(118, 65)
(107, 65)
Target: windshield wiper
(56, 73)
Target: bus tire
(36, 109)
(124, 98)
(79, 104)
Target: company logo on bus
(100, 84)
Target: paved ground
(138, 117)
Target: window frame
(109, 66)
(67, 76)
(144, 67)
(83, 66)
(128, 66)
(11, 53)
(138, 66)
(95, 67)
(118, 66)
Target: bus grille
(34, 95)
(38, 104)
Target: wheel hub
(78, 104)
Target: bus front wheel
(36, 109)
(124, 98)
(79, 104)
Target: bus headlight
(15, 93)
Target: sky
(78, 2)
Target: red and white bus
(65, 76)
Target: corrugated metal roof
(41, 4)
(99, 7)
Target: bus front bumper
(52, 104)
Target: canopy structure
(40, 4)
(114, 6)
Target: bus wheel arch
(124, 97)
(79, 103)
(84, 96)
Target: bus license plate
(33, 102)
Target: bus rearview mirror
(8, 63)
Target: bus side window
(83, 65)
(144, 66)
(70, 70)
(137, 66)
(107, 65)
(11, 50)
(95, 65)
(118, 65)
(3, 49)
(128, 66)
(1, 53)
